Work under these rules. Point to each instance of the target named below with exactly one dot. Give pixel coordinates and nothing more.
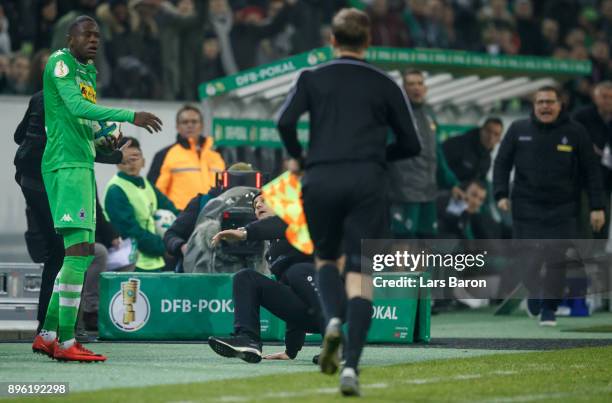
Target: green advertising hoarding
(170, 306)
(400, 58)
(263, 133)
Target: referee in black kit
(352, 105)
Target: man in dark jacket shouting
(553, 159)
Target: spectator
(575, 38)
(168, 38)
(5, 37)
(188, 25)
(415, 15)
(136, 68)
(466, 24)
(597, 119)
(507, 39)
(18, 75)
(210, 64)
(588, 21)
(469, 155)
(528, 29)
(4, 72)
(47, 16)
(456, 215)
(497, 12)
(553, 159)
(577, 92)
(280, 45)
(550, 33)
(309, 18)
(560, 53)
(187, 167)
(606, 19)
(388, 29)
(415, 181)
(39, 61)
(240, 33)
(600, 58)
(131, 202)
(439, 26)
(565, 12)
(121, 22)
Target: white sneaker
(349, 382)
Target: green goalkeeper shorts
(72, 197)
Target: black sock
(359, 317)
(331, 291)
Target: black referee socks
(331, 291)
(359, 317)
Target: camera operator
(178, 235)
(292, 298)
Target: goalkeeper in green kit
(72, 119)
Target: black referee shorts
(345, 203)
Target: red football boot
(77, 352)
(40, 346)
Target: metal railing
(19, 289)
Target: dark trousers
(45, 239)
(294, 300)
(548, 245)
(345, 203)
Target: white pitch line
(542, 396)
(329, 391)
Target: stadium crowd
(439, 193)
(162, 49)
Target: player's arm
(401, 120)
(289, 115)
(64, 77)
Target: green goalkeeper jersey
(71, 112)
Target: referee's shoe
(329, 359)
(240, 345)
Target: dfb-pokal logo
(129, 308)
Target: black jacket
(552, 162)
(105, 232)
(280, 254)
(352, 104)
(601, 134)
(32, 138)
(467, 157)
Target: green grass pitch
(580, 375)
(139, 372)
